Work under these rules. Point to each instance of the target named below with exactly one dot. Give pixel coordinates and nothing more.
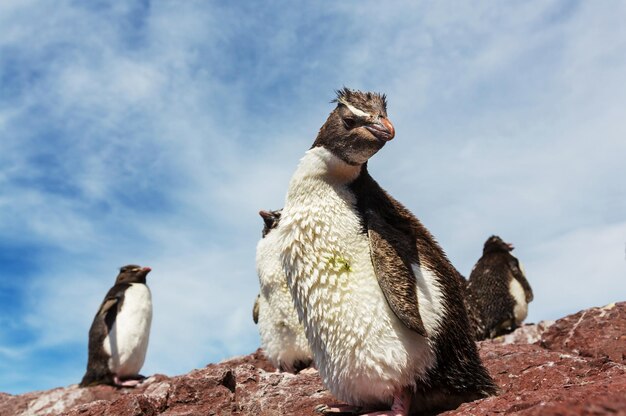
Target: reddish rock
(574, 366)
(594, 332)
(229, 388)
(527, 334)
(257, 359)
(55, 401)
(535, 381)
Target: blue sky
(153, 132)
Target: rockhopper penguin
(118, 338)
(282, 335)
(498, 291)
(380, 302)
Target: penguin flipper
(107, 304)
(518, 274)
(255, 310)
(393, 253)
(112, 304)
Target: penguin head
(495, 244)
(270, 220)
(357, 128)
(132, 274)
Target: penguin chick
(381, 304)
(118, 337)
(498, 290)
(282, 335)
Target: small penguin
(282, 335)
(118, 337)
(381, 304)
(498, 291)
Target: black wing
(98, 371)
(255, 310)
(518, 274)
(112, 304)
(393, 253)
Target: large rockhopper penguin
(497, 291)
(381, 304)
(118, 338)
(282, 335)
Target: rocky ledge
(574, 366)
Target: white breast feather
(362, 350)
(430, 298)
(520, 310)
(127, 341)
(282, 335)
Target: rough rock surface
(574, 366)
(593, 333)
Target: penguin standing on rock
(381, 304)
(498, 291)
(282, 335)
(118, 338)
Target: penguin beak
(382, 129)
(146, 270)
(510, 246)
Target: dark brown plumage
(459, 375)
(255, 310)
(270, 220)
(489, 290)
(356, 145)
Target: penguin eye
(349, 122)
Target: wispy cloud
(154, 132)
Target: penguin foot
(400, 407)
(132, 382)
(341, 409)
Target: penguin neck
(321, 163)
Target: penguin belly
(363, 352)
(282, 334)
(520, 308)
(127, 342)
